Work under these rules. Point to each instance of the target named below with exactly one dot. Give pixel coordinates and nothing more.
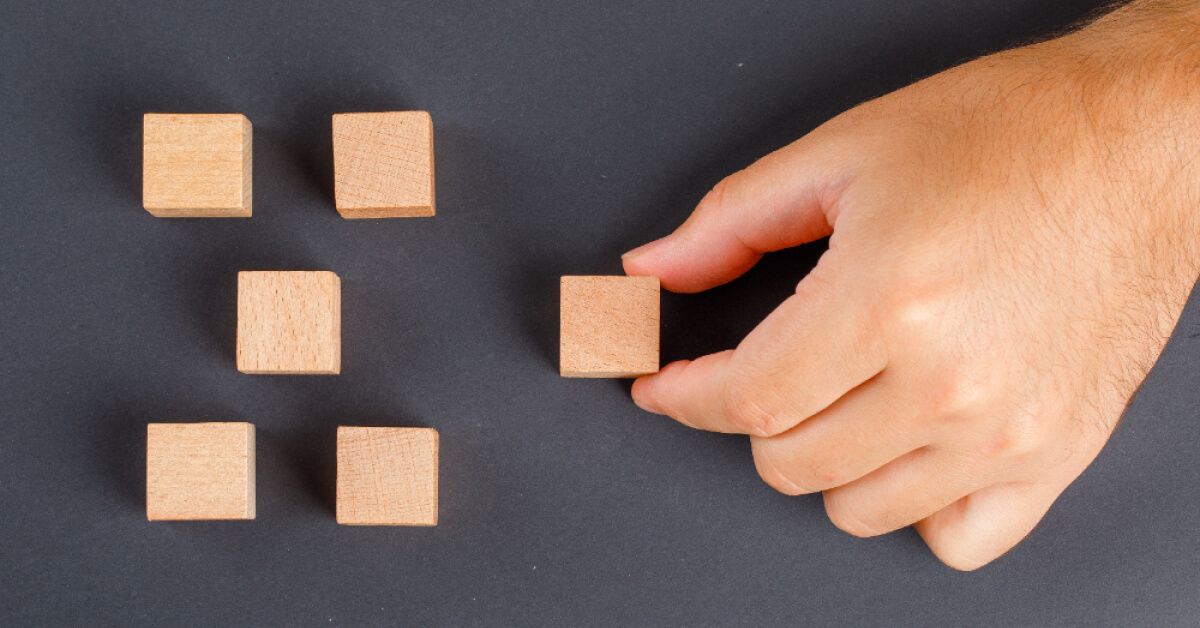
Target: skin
(1011, 243)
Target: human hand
(1011, 244)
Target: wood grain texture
(198, 471)
(383, 164)
(197, 165)
(387, 476)
(289, 323)
(609, 326)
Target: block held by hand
(609, 326)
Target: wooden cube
(383, 164)
(609, 326)
(387, 476)
(289, 323)
(199, 471)
(196, 165)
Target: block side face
(432, 161)
(609, 326)
(198, 213)
(247, 205)
(289, 322)
(364, 213)
(247, 331)
(251, 473)
(194, 165)
(432, 519)
(387, 476)
(335, 358)
(199, 471)
(341, 476)
(383, 164)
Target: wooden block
(289, 323)
(609, 326)
(387, 476)
(199, 471)
(196, 165)
(383, 164)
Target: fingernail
(645, 406)
(641, 250)
(640, 400)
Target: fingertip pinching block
(289, 323)
(197, 165)
(387, 476)
(609, 326)
(383, 164)
(199, 471)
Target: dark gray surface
(564, 136)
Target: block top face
(197, 471)
(609, 326)
(197, 165)
(387, 476)
(289, 322)
(383, 164)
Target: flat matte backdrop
(566, 134)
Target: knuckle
(818, 284)
(819, 472)
(770, 473)
(1017, 437)
(912, 314)
(960, 390)
(747, 413)
(917, 311)
(714, 200)
(846, 515)
(958, 552)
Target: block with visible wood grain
(197, 165)
(289, 323)
(199, 471)
(383, 164)
(387, 476)
(608, 326)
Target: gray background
(565, 135)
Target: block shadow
(306, 135)
(114, 113)
(308, 447)
(119, 455)
(537, 287)
(211, 278)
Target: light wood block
(387, 476)
(197, 165)
(198, 471)
(289, 323)
(383, 164)
(609, 326)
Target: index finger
(801, 359)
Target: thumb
(784, 199)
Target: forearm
(1141, 66)
(1158, 10)
(1117, 100)
(1164, 34)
